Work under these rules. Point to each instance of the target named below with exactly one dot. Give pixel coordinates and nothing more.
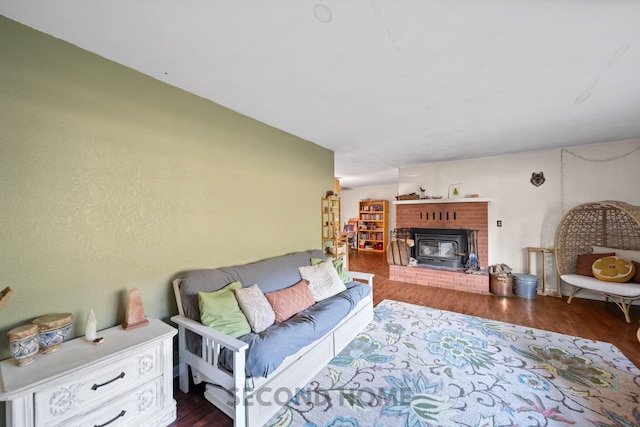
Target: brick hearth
(467, 215)
(459, 281)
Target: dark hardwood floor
(595, 320)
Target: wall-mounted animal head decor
(537, 179)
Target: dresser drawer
(125, 411)
(77, 394)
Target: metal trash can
(525, 285)
(501, 285)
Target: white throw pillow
(324, 281)
(622, 253)
(255, 307)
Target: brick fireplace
(467, 214)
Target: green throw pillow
(338, 264)
(220, 310)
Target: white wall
(529, 214)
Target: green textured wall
(111, 180)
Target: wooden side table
(544, 252)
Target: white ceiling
(385, 84)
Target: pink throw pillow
(289, 301)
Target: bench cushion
(627, 290)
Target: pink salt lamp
(135, 311)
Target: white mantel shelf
(458, 200)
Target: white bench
(622, 294)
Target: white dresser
(125, 381)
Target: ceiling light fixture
(322, 13)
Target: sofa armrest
(231, 343)
(363, 276)
(204, 367)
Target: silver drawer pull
(96, 386)
(121, 414)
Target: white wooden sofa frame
(611, 224)
(240, 397)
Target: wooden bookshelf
(373, 232)
(334, 241)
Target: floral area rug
(418, 366)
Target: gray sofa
(251, 377)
